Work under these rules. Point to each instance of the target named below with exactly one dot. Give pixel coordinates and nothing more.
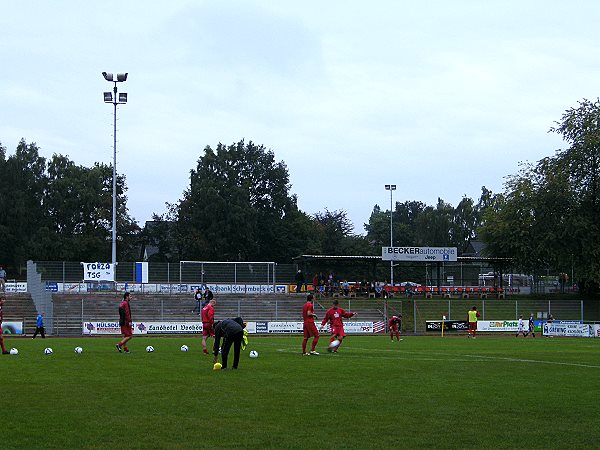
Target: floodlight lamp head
(122, 97)
(122, 76)
(107, 76)
(108, 98)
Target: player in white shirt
(521, 327)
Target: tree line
(239, 207)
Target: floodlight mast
(115, 100)
(391, 188)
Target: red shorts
(310, 330)
(127, 330)
(472, 326)
(338, 331)
(208, 330)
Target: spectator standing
(2, 279)
(198, 298)
(208, 322)
(125, 322)
(395, 324)
(232, 333)
(310, 329)
(2, 300)
(315, 284)
(334, 316)
(208, 296)
(299, 281)
(39, 326)
(472, 316)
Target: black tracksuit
(232, 332)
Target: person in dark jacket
(232, 333)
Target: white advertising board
(567, 329)
(426, 254)
(500, 325)
(98, 271)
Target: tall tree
(238, 206)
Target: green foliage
(238, 207)
(422, 392)
(548, 216)
(56, 210)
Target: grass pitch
(453, 392)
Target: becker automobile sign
(426, 254)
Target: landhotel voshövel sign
(426, 254)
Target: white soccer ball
(78, 350)
(48, 351)
(14, 351)
(149, 349)
(184, 348)
(253, 354)
(333, 345)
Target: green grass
(492, 392)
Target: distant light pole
(391, 188)
(115, 100)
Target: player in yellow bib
(473, 314)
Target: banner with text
(426, 254)
(98, 271)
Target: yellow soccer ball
(217, 366)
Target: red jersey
(394, 322)
(308, 313)
(335, 315)
(126, 315)
(208, 314)
(1, 316)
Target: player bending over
(394, 325)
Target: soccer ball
(184, 348)
(217, 366)
(14, 351)
(333, 345)
(149, 349)
(78, 350)
(48, 351)
(253, 354)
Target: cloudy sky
(437, 97)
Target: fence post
(483, 308)
(415, 315)
(162, 307)
(449, 308)
(582, 310)
(516, 309)
(549, 308)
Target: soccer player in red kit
(334, 316)
(208, 323)
(4, 351)
(125, 323)
(394, 325)
(310, 329)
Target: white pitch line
(446, 357)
